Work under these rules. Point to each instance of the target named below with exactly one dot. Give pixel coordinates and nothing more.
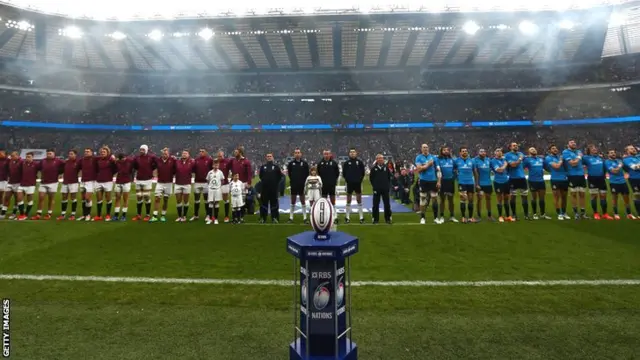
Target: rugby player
(201, 167)
(50, 169)
(124, 176)
(13, 186)
(447, 183)
(631, 162)
(4, 176)
(559, 181)
(572, 158)
(215, 178)
(30, 169)
(615, 169)
(501, 184)
(70, 185)
(534, 165)
(241, 166)
(429, 178)
(482, 165)
(106, 165)
(517, 180)
(165, 166)
(329, 171)
(88, 167)
(298, 170)
(597, 181)
(353, 174)
(223, 165)
(144, 164)
(184, 168)
(467, 181)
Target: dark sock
(525, 207)
(226, 208)
(534, 207)
(435, 206)
(463, 209)
(21, 209)
(29, 207)
(507, 209)
(628, 209)
(512, 205)
(603, 205)
(109, 208)
(208, 210)
(470, 208)
(615, 209)
(558, 211)
(99, 208)
(185, 210)
(139, 208)
(543, 209)
(489, 213)
(594, 205)
(64, 206)
(583, 211)
(147, 207)
(179, 208)
(636, 203)
(216, 211)
(575, 210)
(196, 208)
(499, 210)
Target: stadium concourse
(374, 79)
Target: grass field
(62, 319)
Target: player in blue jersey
(466, 183)
(501, 184)
(631, 162)
(594, 163)
(447, 183)
(534, 164)
(572, 158)
(559, 182)
(517, 180)
(615, 169)
(482, 166)
(428, 181)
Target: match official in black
(380, 178)
(298, 170)
(353, 174)
(329, 171)
(270, 175)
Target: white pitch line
(417, 283)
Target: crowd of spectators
(537, 106)
(610, 70)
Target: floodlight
(117, 35)
(566, 24)
(470, 27)
(72, 32)
(502, 27)
(206, 33)
(527, 27)
(155, 35)
(22, 25)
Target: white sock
(124, 210)
(304, 211)
(155, 213)
(164, 212)
(348, 210)
(360, 211)
(117, 210)
(293, 207)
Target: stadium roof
(375, 41)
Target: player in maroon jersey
(123, 186)
(166, 167)
(202, 165)
(106, 169)
(144, 164)
(89, 169)
(13, 186)
(4, 176)
(70, 185)
(241, 166)
(30, 169)
(223, 165)
(50, 169)
(184, 168)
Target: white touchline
(417, 283)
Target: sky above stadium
(139, 10)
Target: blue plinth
(324, 296)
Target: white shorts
(237, 202)
(29, 190)
(183, 189)
(123, 188)
(12, 188)
(3, 186)
(225, 189)
(313, 195)
(48, 188)
(214, 195)
(200, 188)
(69, 188)
(163, 189)
(104, 186)
(89, 186)
(144, 185)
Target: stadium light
(72, 32)
(528, 28)
(20, 25)
(206, 33)
(117, 35)
(617, 19)
(470, 27)
(155, 35)
(566, 24)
